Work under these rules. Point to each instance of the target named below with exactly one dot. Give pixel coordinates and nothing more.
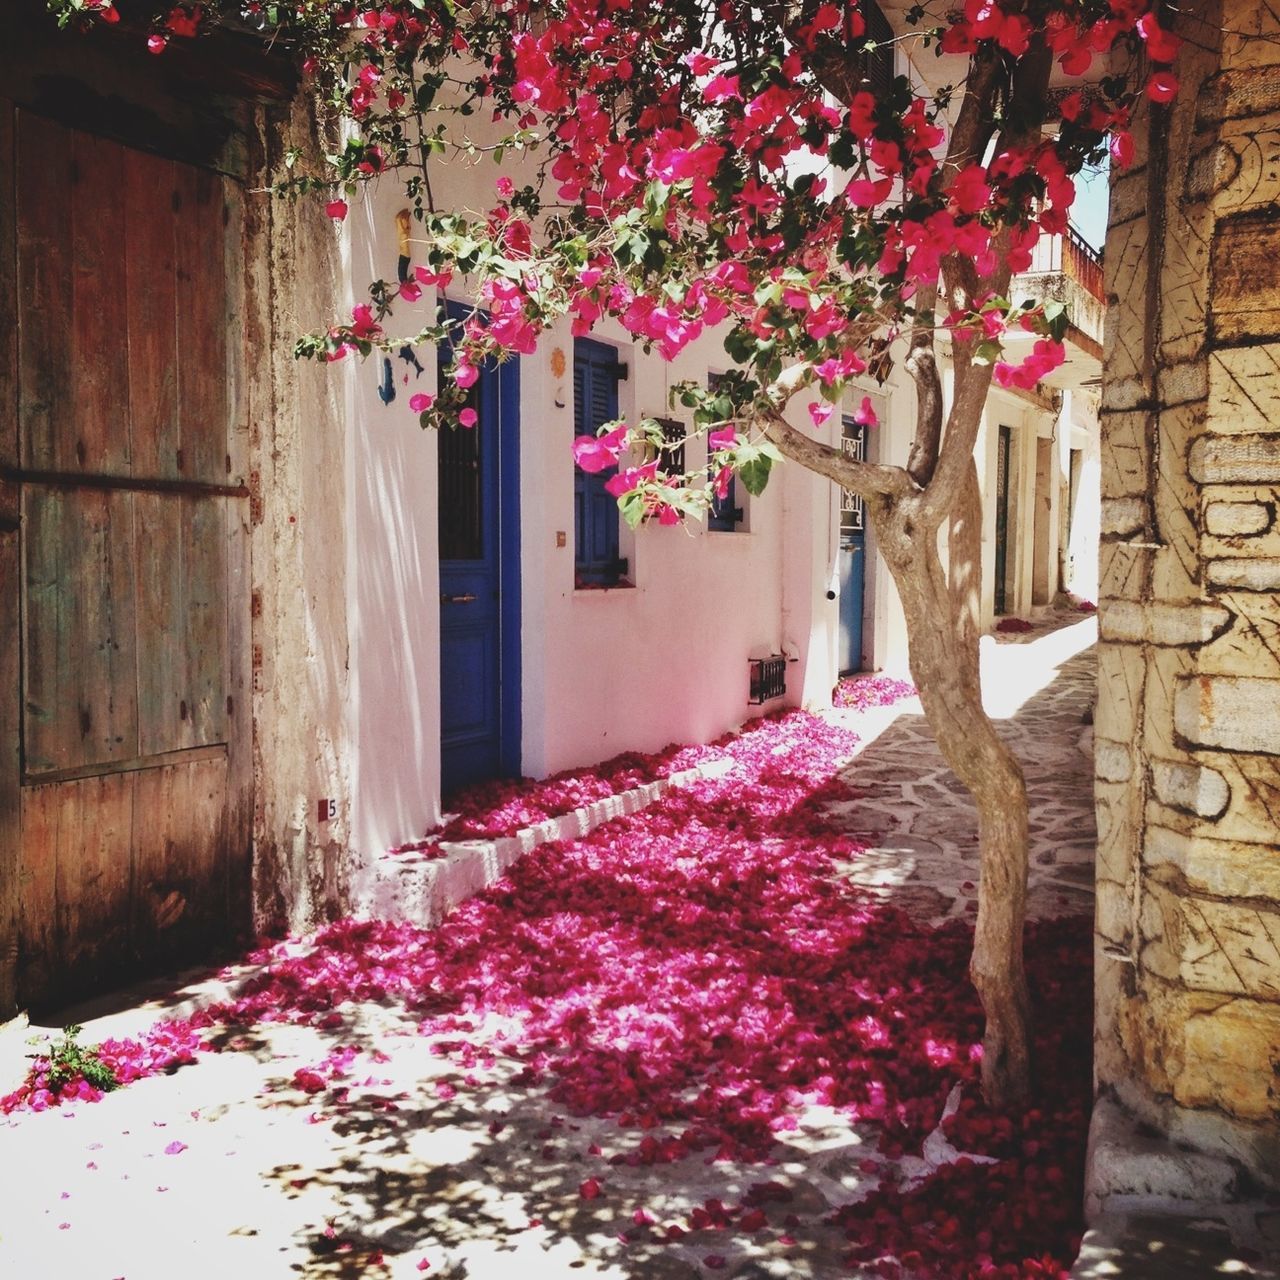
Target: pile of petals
(166, 1046)
(860, 692)
(503, 806)
(695, 973)
(1014, 626)
(1086, 606)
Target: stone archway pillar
(1188, 724)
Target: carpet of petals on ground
(697, 974)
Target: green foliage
(70, 1060)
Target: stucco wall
(1188, 727)
(298, 423)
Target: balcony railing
(1071, 254)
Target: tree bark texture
(943, 643)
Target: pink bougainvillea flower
(865, 413)
(630, 478)
(599, 453)
(1122, 149)
(156, 44)
(410, 290)
(425, 276)
(468, 417)
(336, 209)
(421, 402)
(590, 1189)
(465, 374)
(722, 438)
(820, 411)
(363, 325)
(175, 1148)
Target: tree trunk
(940, 608)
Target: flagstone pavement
(223, 1169)
(918, 821)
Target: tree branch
(969, 138)
(863, 478)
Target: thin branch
(863, 478)
(968, 140)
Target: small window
(596, 373)
(726, 514)
(671, 451)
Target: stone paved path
(221, 1169)
(918, 820)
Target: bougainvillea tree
(725, 165)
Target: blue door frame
(479, 515)
(853, 556)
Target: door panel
(133, 792)
(1004, 454)
(853, 556)
(478, 506)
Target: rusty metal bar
(76, 480)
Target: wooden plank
(162, 664)
(180, 890)
(96, 437)
(94, 881)
(204, 617)
(10, 766)
(44, 287)
(203, 401)
(10, 727)
(39, 946)
(151, 304)
(8, 309)
(186, 756)
(80, 652)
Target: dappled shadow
(680, 1044)
(921, 826)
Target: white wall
(392, 579)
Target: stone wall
(1188, 724)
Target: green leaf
(755, 475)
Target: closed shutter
(595, 401)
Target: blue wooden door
(853, 557)
(480, 584)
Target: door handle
(462, 599)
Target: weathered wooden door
(123, 563)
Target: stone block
(1165, 668)
(1209, 945)
(1122, 672)
(1124, 517)
(1129, 197)
(1238, 93)
(1112, 761)
(1122, 570)
(1252, 645)
(1125, 1159)
(1126, 455)
(1192, 788)
(1204, 865)
(1238, 519)
(1244, 389)
(1253, 817)
(1233, 1060)
(1118, 807)
(1241, 171)
(1185, 380)
(1172, 625)
(1245, 294)
(1244, 459)
(1113, 912)
(1245, 574)
(1236, 713)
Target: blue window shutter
(595, 511)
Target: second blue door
(479, 514)
(853, 558)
